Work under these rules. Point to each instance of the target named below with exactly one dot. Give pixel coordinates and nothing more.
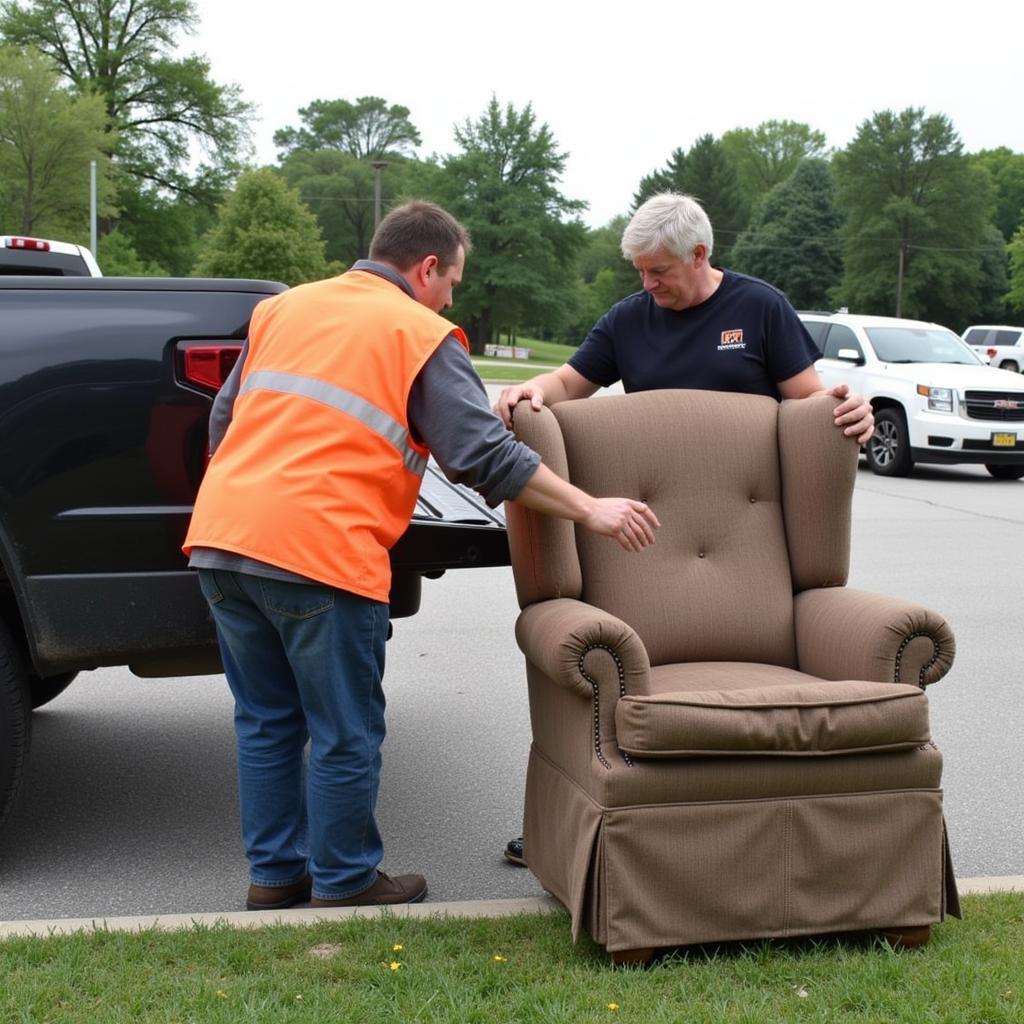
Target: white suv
(998, 345)
(934, 399)
(20, 254)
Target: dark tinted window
(1005, 338)
(841, 336)
(53, 264)
(816, 329)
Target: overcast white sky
(623, 84)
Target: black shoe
(514, 852)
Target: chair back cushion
(717, 584)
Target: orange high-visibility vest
(318, 472)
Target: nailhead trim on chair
(924, 668)
(597, 701)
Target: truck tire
(15, 720)
(1009, 364)
(888, 451)
(1005, 472)
(42, 691)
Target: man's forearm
(628, 521)
(551, 386)
(548, 493)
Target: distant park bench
(506, 352)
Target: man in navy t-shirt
(744, 337)
(692, 326)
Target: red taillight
(35, 244)
(208, 366)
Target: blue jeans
(304, 661)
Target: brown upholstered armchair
(728, 743)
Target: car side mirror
(850, 355)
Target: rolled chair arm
(571, 643)
(843, 633)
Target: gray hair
(671, 222)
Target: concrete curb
(263, 918)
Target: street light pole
(899, 278)
(92, 206)
(378, 166)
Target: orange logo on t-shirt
(732, 339)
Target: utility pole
(92, 206)
(378, 166)
(899, 279)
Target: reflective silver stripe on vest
(338, 398)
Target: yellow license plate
(1004, 440)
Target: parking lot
(129, 804)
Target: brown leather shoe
(387, 889)
(279, 897)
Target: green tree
(603, 251)
(994, 279)
(48, 138)
(707, 173)
(1006, 169)
(767, 155)
(157, 105)
(915, 215)
(164, 229)
(264, 231)
(793, 240)
(329, 159)
(368, 129)
(1015, 251)
(117, 258)
(605, 277)
(504, 186)
(341, 192)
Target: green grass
(544, 355)
(522, 969)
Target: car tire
(1009, 365)
(15, 720)
(1005, 472)
(888, 451)
(42, 691)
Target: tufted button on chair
(728, 742)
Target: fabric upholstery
(727, 742)
(809, 717)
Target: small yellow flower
(221, 995)
(500, 959)
(299, 996)
(613, 1007)
(397, 947)
(394, 965)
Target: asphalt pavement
(129, 804)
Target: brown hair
(413, 231)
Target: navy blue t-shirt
(746, 337)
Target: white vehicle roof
(866, 320)
(45, 255)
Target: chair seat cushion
(816, 717)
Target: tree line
(901, 221)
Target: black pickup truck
(105, 391)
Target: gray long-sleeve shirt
(448, 412)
